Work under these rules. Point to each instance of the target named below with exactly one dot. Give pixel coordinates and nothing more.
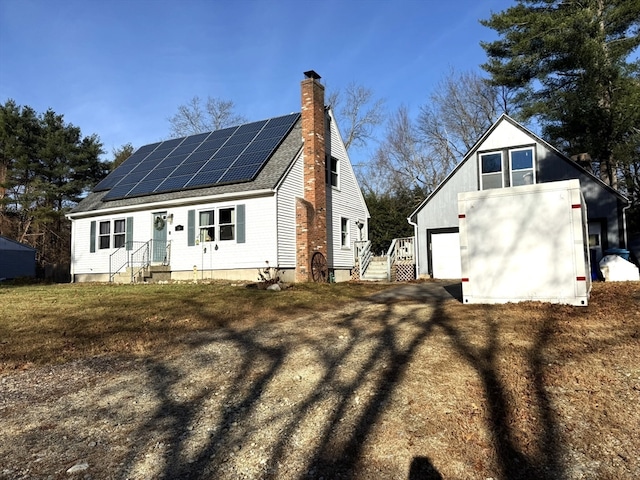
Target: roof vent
(311, 74)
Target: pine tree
(569, 62)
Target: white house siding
(96, 264)
(259, 246)
(346, 201)
(505, 135)
(290, 188)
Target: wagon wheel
(319, 270)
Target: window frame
(104, 238)
(345, 233)
(223, 226)
(332, 176)
(532, 168)
(208, 229)
(119, 237)
(483, 175)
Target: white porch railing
(400, 250)
(137, 256)
(363, 255)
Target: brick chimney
(311, 210)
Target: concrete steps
(377, 270)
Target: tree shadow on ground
(512, 461)
(300, 402)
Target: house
(16, 259)
(508, 155)
(222, 204)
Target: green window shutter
(240, 224)
(129, 234)
(191, 228)
(92, 239)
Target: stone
(78, 467)
(274, 288)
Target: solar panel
(205, 178)
(195, 139)
(119, 191)
(239, 174)
(174, 183)
(230, 150)
(235, 154)
(147, 148)
(209, 145)
(172, 160)
(251, 127)
(145, 187)
(188, 168)
(219, 162)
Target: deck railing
(400, 250)
(363, 255)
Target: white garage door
(445, 255)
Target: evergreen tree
(46, 167)
(389, 212)
(569, 62)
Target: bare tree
(196, 117)
(401, 158)
(421, 153)
(358, 112)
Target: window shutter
(240, 224)
(191, 228)
(129, 234)
(92, 237)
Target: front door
(159, 244)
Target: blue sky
(120, 68)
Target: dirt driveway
(384, 389)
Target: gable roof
(248, 157)
(9, 244)
(506, 118)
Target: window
(495, 172)
(522, 172)
(226, 225)
(331, 175)
(119, 231)
(207, 226)
(344, 233)
(227, 220)
(104, 236)
(491, 168)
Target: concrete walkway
(421, 292)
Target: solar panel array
(231, 155)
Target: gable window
(344, 233)
(331, 174)
(227, 221)
(521, 164)
(207, 226)
(491, 168)
(104, 235)
(507, 168)
(119, 231)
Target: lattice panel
(355, 273)
(405, 272)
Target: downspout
(416, 250)
(624, 226)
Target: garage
(444, 260)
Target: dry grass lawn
(319, 381)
